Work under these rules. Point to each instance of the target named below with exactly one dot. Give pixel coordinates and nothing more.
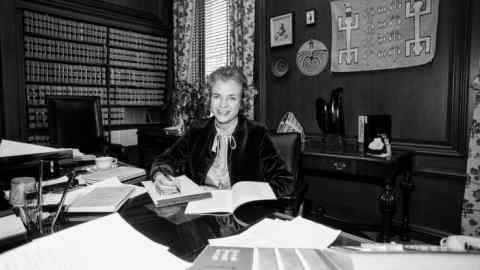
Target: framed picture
(310, 17)
(281, 30)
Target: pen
(177, 183)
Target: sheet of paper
(246, 191)
(220, 202)
(104, 243)
(278, 233)
(54, 198)
(11, 225)
(12, 148)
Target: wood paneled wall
(429, 104)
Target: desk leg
(386, 202)
(407, 187)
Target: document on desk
(122, 173)
(354, 258)
(10, 225)
(278, 233)
(101, 200)
(105, 243)
(226, 201)
(189, 191)
(54, 198)
(12, 148)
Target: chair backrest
(75, 121)
(288, 146)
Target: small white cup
(104, 163)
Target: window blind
(217, 34)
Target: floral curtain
(187, 64)
(471, 201)
(242, 22)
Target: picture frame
(310, 17)
(281, 30)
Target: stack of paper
(297, 233)
(102, 200)
(104, 243)
(122, 173)
(54, 198)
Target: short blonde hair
(224, 74)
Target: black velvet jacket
(254, 159)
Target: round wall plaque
(312, 57)
(280, 67)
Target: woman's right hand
(166, 184)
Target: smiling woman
(227, 147)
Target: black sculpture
(330, 115)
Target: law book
(231, 258)
(226, 201)
(355, 258)
(101, 200)
(189, 191)
(249, 258)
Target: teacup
(104, 163)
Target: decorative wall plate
(280, 67)
(312, 57)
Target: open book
(356, 258)
(226, 201)
(189, 191)
(102, 200)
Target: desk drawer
(339, 165)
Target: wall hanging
(382, 34)
(280, 67)
(281, 30)
(312, 57)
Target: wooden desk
(187, 235)
(349, 163)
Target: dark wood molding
(261, 59)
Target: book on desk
(189, 191)
(101, 200)
(228, 200)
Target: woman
(225, 148)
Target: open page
(220, 202)
(249, 191)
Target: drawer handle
(339, 165)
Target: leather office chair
(76, 121)
(288, 146)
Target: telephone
(461, 243)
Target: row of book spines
(130, 77)
(70, 51)
(64, 51)
(122, 96)
(137, 41)
(64, 73)
(36, 94)
(56, 27)
(117, 116)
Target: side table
(349, 160)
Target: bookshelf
(127, 69)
